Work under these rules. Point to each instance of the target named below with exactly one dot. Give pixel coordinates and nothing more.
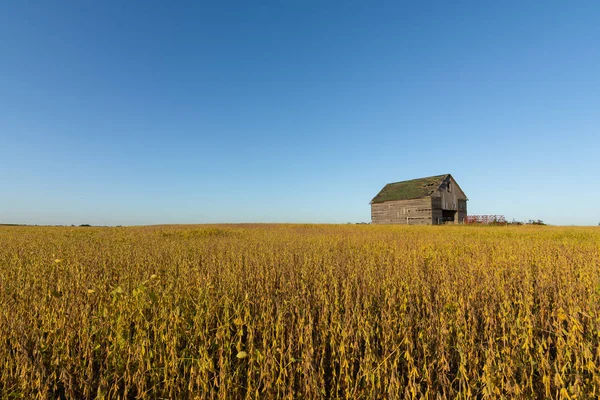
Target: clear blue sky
(117, 112)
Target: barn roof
(412, 189)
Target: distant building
(434, 200)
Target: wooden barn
(434, 200)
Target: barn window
(450, 187)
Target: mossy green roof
(412, 189)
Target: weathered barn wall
(453, 199)
(411, 212)
(448, 200)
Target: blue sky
(295, 111)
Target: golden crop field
(299, 311)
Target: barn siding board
(427, 210)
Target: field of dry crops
(299, 311)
